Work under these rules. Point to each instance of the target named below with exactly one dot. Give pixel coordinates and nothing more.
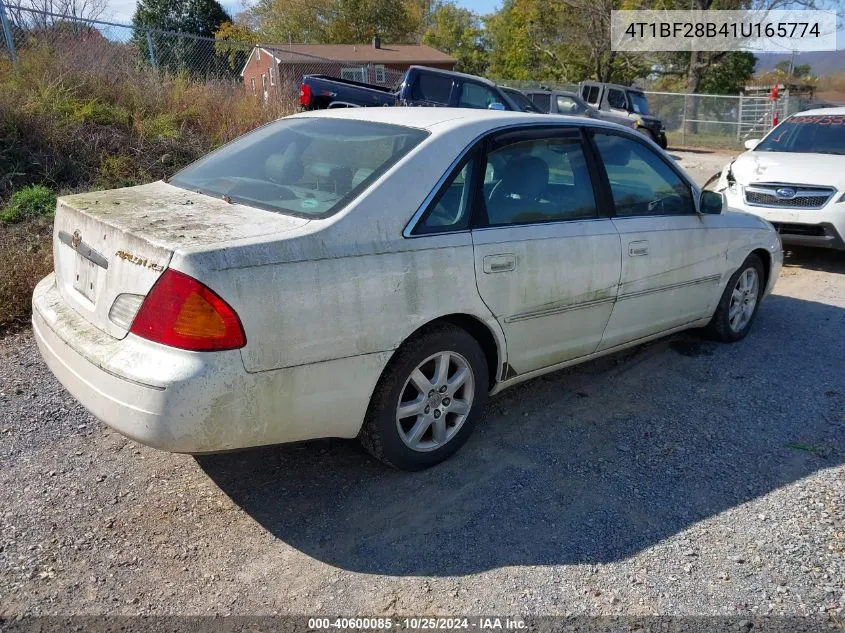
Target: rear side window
(451, 208)
(309, 167)
(542, 101)
(432, 88)
(541, 180)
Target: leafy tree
(174, 53)
(232, 38)
(459, 33)
(335, 21)
(561, 40)
(787, 68)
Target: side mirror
(711, 202)
(752, 143)
(496, 106)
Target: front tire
(428, 400)
(739, 303)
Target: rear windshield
(819, 134)
(309, 167)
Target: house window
(354, 74)
(272, 76)
(253, 84)
(381, 75)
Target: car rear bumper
(197, 402)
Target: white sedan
(795, 178)
(378, 272)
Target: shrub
(27, 256)
(29, 202)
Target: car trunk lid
(119, 242)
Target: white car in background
(795, 178)
(377, 272)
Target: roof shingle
(387, 54)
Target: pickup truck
(629, 103)
(421, 86)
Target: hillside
(822, 62)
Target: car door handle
(638, 249)
(499, 263)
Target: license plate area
(85, 278)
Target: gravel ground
(683, 477)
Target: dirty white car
(377, 272)
(795, 178)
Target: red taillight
(305, 95)
(181, 312)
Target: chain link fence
(275, 72)
(109, 48)
(719, 120)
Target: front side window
(476, 96)
(639, 103)
(568, 105)
(818, 134)
(641, 182)
(616, 99)
(591, 94)
(540, 180)
(432, 88)
(309, 167)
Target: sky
(122, 10)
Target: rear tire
(428, 400)
(739, 303)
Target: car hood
(792, 168)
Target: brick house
(276, 70)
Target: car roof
(454, 73)
(565, 93)
(440, 119)
(822, 111)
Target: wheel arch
(766, 257)
(492, 343)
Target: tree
(335, 21)
(459, 33)
(559, 40)
(788, 69)
(41, 14)
(174, 53)
(231, 43)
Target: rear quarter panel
(351, 284)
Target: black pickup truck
(421, 86)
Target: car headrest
(283, 169)
(526, 176)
